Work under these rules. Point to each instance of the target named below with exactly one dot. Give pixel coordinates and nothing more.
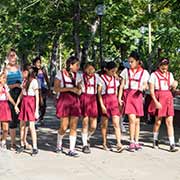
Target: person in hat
(161, 83)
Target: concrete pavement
(107, 165)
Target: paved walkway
(107, 165)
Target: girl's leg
(104, 126)
(137, 131)
(115, 121)
(27, 145)
(156, 127)
(22, 132)
(61, 132)
(12, 132)
(85, 123)
(72, 135)
(93, 125)
(132, 126)
(5, 126)
(33, 134)
(170, 131)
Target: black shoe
(59, 150)
(173, 148)
(73, 154)
(34, 152)
(86, 150)
(156, 144)
(20, 149)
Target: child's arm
(37, 103)
(157, 103)
(120, 94)
(10, 99)
(104, 110)
(59, 89)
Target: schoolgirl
(68, 105)
(134, 82)
(161, 83)
(88, 101)
(29, 111)
(107, 95)
(5, 113)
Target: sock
(84, 138)
(132, 141)
(72, 140)
(155, 136)
(136, 142)
(34, 145)
(171, 140)
(59, 140)
(3, 142)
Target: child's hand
(16, 109)
(175, 84)
(158, 105)
(104, 110)
(36, 114)
(76, 91)
(121, 102)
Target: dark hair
(135, 55)
(121, 67)
(163, 61)
(37, 58)
(26, 66)
(31, 76)
(71, 60)
(88, 64)
(110, 65)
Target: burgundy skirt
(166, 100)
(5, 112)
(112, 105)
(27, 110)
(68, 104)
(133, 102)
(88, 104)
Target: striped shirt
(14, 77)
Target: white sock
(72, 140)
(132, 141)
(155, 135)
(59, 140)
(136, 142)
(84, 138)
(3, 142)
(171, 140)
(35, 146)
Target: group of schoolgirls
(28, 101)
(78, 98)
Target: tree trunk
(76, 25)
(53, 61)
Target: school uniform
(88, 98)
(68, 103)
(132, 97)
(163, 94)
(28, 104)
(5, 112)
(109, 95)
